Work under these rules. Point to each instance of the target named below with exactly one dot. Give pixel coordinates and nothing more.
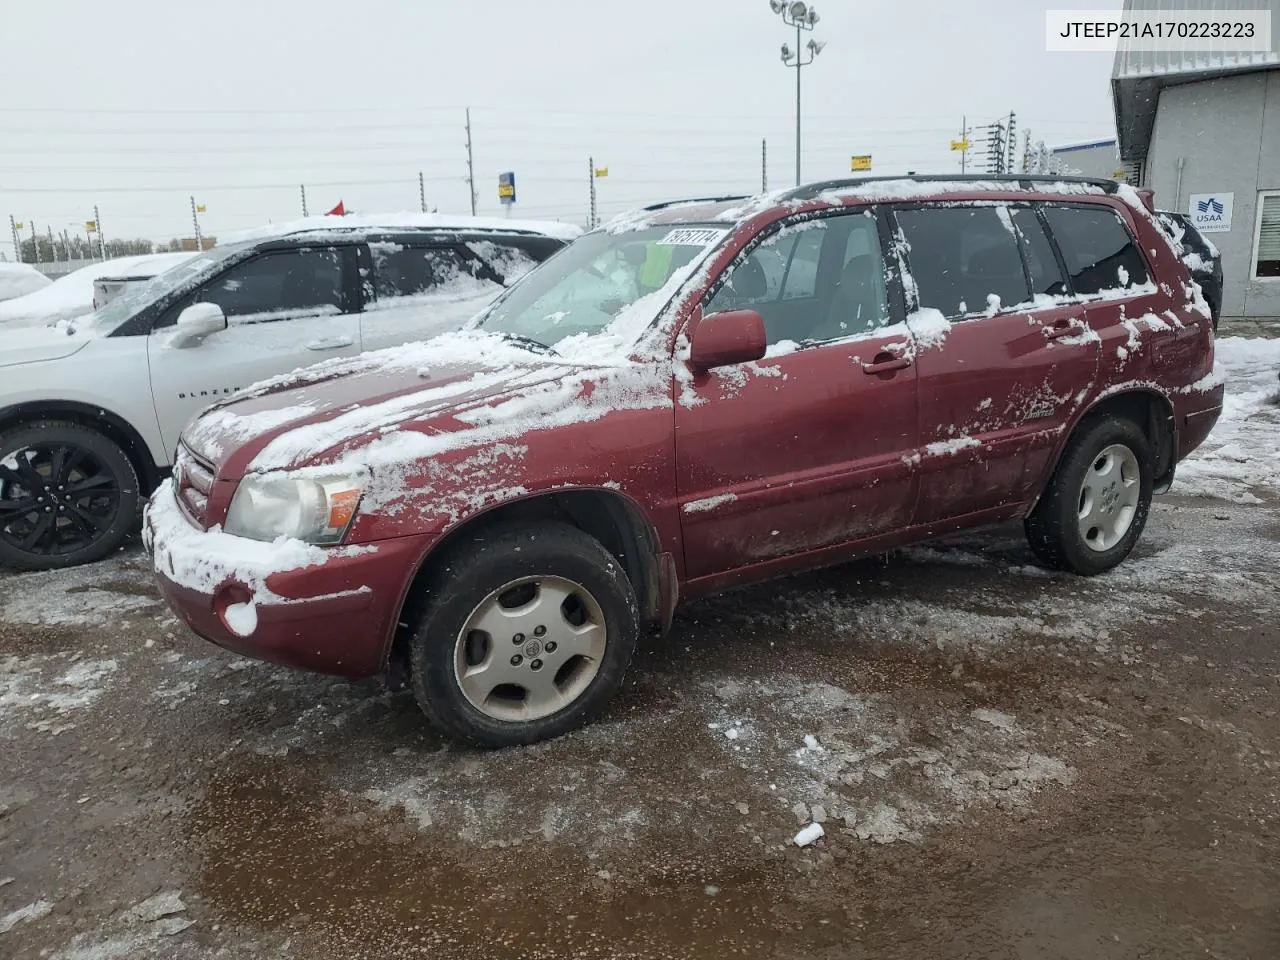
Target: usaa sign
(1211, 212)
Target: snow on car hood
(37, 344)
(394, 413)
(315, 414)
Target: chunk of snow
(929, 327)
(809, 835)
(707, 504)
(242, 618)
(811, 742)
(32, 911)
(943, 448)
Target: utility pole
(471, 167)
(195, 222)
(303, 188)
(422, 193)
(591, 173)
(964, 144)
(17, 245)
(1026, 151)
(97, 222)
(53, 249)
(764, 166)
(35, 243)
(1011, 143)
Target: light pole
(802, 16)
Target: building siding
(1227, 133)
(1096, 161)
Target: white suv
(91, 410)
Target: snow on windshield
(613, 284)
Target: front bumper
(329, 610)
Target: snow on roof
(19, 279)
(372, 222)
(837, 192)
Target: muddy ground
(1006, 763)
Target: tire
(1070, 528)
(509, 580)
(60, 529)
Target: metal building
(1094, 158)
(1202, 129)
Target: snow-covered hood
(37, 344)
(321, 413)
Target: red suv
(700, 395)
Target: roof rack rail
(810, 191)
(671, 203)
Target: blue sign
(507, 187)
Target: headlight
(314, 509)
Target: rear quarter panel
(1158, 342)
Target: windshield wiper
(528, 342)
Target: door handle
(1065, 328)
(330, 343)
(886, 362)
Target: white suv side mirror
(196, 322)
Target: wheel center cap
(532, 648)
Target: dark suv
(1200, 256)
(697, 396)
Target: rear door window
(1100, 254)
(1042, 263)
(407, 271)
(964, 259)
(509, 262)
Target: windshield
(583, 288)
(112, 314)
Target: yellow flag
(860, 162)
(19, 225)
(200, 208)
(961, 145)
(91, 226)
(602, 172)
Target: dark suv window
(964, 260)
(279, 284)
(401, 271)
(1096, 245)
(1042, 264)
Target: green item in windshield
(656, 267)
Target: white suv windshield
(582, 289)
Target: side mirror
(721, 339)
(196, 322)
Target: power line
(505, 109)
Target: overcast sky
(137, 104)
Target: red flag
(338, 211)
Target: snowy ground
(1243, 453)
(1003, 762)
